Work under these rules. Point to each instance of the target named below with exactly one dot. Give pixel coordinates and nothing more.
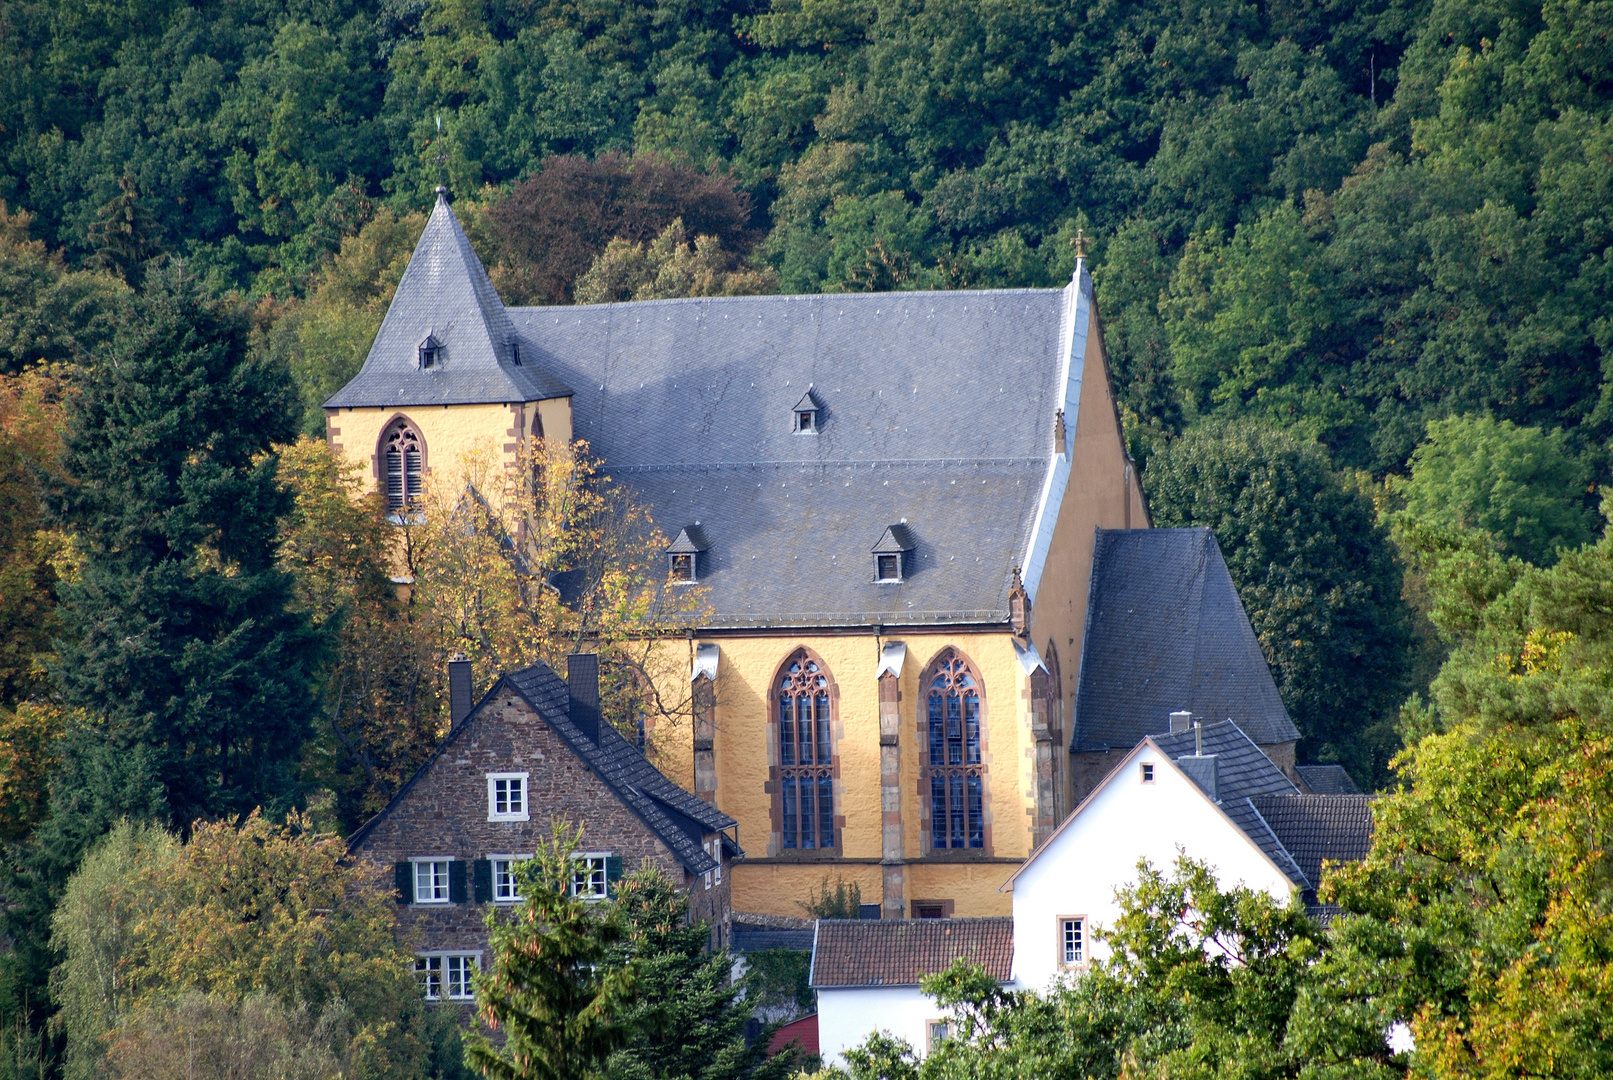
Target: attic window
(430, 353)
(806, 413)
(1147, 771)
(890, 554)
(515, 353)
(683, 554)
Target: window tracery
(403, 461)
(954, 765)
(806, 812)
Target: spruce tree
(179, 639)
(689, 1020)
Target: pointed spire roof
(445, 296)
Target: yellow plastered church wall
(745, 749)
(1104, 492)
(452, 433)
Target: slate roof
(1318, 827)
(677, 817)
(900, 952)
(445, 293)
(1243, 773)
(1325, 780)
(937, 408)
(1166, 631)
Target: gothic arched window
(954, 766)
(806, 811)
(403, 463)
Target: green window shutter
(613, 873)
(403, 874)
(481, 876)
(458, 893)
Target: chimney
(1198, 739)
(582, 678)
(1204, 771)
(459, 702)
(1180, 721)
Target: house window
(590, 875)
(506, 797)
(683, 567)
(431, 881)
(806, 421)
(806, 764)
(888, 567)
(515, 353)
(936, 1033)
(403, 456)
(1072, 941)
(1147, 772)
(447, 976)
(930, 909)
(506, 890)
(430, 353)
(955, 769)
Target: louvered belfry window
(806, 767)
(403, 457)
(954, 769)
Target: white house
(867, 973)
(1208, 792)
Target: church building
(893, 502)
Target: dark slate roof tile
(1326, 780)
(1166, 631)
(900, 952)
(1315, 828)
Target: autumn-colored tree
(380, 693)
(552, 227)
(534, 562)
(666, 267)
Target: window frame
(416, 862)
(930, 1039)
(1085, 942)
(603, 870)
(955, 775)
(525, 813)
(1145, 772)
(790, 780)
(493, 862)
(882, 578)
(442, 974)
(411, 485)
(677, 560)
(806, 421)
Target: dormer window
(806, 413)
(430, 353)
(515, 353)
(683, 555)
(890, 554)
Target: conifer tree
(178, 636)
(690, 1017)
(549, 988)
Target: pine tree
(549, 988)
(179, 638)
(690, 1017)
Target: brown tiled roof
(900, 952)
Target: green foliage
(549, 987)
(1316, 573)
(668, 266)
(779, 981)
(689, 1018)
(177, 633)
(1519, 486)
(840, 901)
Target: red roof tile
(900, 952)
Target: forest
(1354, 263)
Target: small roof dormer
(807, 414)
(890, 554)
(430, 353)
(683, 554)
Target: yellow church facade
(891, 501)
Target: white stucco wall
(847, 1017)
(1079, 870)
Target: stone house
(534, 752)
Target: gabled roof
(1325, 780)
(690, 540)
(1166, 631)
(677, 817)
(1242, 771)
(944, 406)
(900, 952)
(895, 540)
(809, 402)
(445, 294)
(1315, 828)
